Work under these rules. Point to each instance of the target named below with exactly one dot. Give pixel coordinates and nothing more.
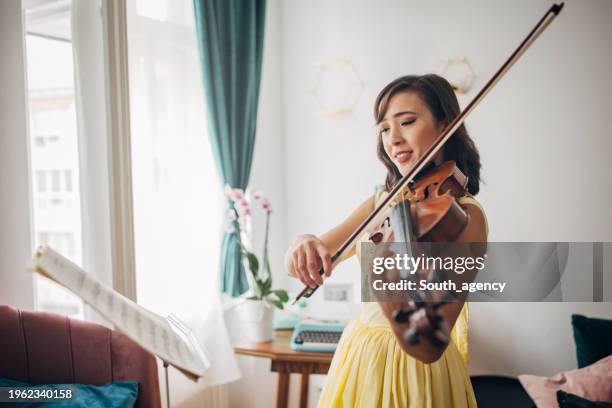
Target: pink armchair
(39, 348)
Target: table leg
(282, 395)
(304, 391)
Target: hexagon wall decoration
(459, 73)
(337, 87)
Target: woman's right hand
(306, 257)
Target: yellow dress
(370, 369)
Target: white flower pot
(258, 320)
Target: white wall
(542, 135)
(16, 286)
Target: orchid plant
(238, 220)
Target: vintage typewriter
(316, 336)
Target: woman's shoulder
(477, 209)
(469, 199)
(379, 194)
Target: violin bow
(450, 129)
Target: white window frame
(114, 14)
(16, 232)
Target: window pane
(53, 147)
(177, 194)
(41, 181)
(55, 181)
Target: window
(53, 145)
(177, 196)
(41, 181)
(68, 181)
(55, 181)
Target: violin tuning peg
(402, 315)
(411, 336)
(441, 336)
(435, 318)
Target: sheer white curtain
(178, 200)
(178, 203)
(88, 57)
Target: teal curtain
(230, 38)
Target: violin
(427, 210)
(423, 207)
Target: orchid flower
(240, 210)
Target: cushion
(119, 394)
(567, 400)
(593, 383)
(488, 388)
(593, 338)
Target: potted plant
(260, 301)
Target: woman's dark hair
(440, 98)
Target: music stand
(167, 338)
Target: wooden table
(286, 361)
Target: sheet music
(169, 339)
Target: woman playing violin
(373, 364)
